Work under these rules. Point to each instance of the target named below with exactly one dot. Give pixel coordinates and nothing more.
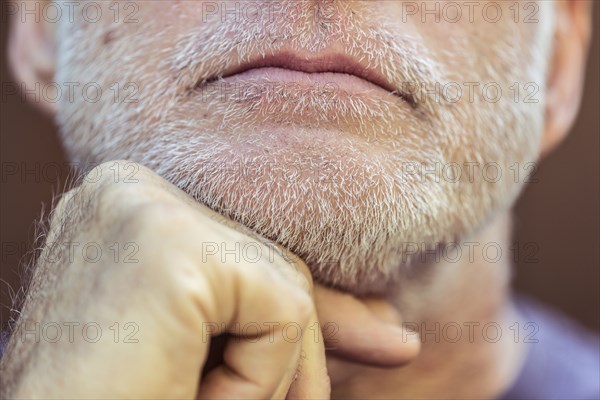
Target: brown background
(560, 212)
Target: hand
(163, 311)
(182, 291)
(362, 332)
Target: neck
(461, 306)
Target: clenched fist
(136, 314)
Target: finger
(258, 359)
(312, 380)
(359, 335)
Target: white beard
(356, 204)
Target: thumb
(364, 331)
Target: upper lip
(336, 63)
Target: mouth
(337, 71)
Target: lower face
(337, 168)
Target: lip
(341, 70)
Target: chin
(337, 202)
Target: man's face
(351, 132)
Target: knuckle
(165, 215)
(156, 221)
(102, 180)
(302, 307)
(145, 213)
(299, 272)
(124, 195)
(120, 176)
(114, 171)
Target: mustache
(216, 46)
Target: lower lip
(327, 81)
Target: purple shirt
(563, 364)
